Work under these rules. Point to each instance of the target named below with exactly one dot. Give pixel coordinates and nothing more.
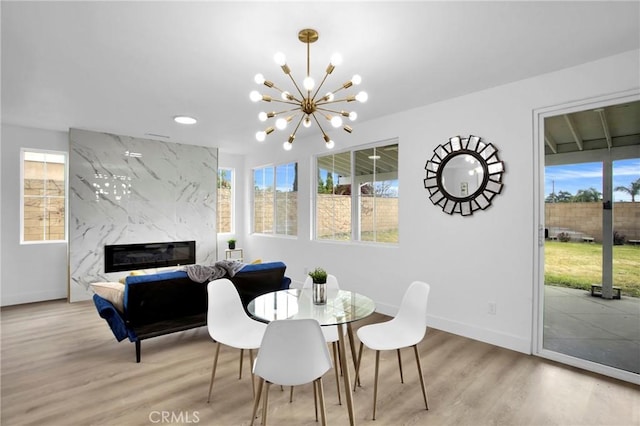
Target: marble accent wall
(125, 190)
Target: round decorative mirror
(464, 175)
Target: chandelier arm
(318, 123)
(296, 85)
(320, 85)
(286, 102)
(329, 110)
(273, 86)
(334, 101)
(298, 125)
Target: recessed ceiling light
(184, 119)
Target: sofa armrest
(110, 314)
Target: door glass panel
(626, 227)
(578, 320)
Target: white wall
(469, 261)
(30, 272)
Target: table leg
(352, 344)
(345, 374)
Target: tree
(633, 189)
(560, 197)
(329, 184)
(587, 196)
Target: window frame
(274, 200)
(45, 152)
(356, 199)
(232, 201)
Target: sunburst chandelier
(307, 103)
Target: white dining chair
(406, 329)
(293, 352)
(229, 324)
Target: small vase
(319, 293)
(232, 246)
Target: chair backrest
(292, 352)
(413, 309)
(225, 312)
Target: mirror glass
(464, 175)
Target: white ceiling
(129, 67)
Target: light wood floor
(62, 366)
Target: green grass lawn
(578, 265)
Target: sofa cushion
(111, 291)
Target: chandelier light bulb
(307, 122)
(287, 145)
(356, 79)
(308, 83)
(262, 116)
(329, 97)
(259, 79)
(330, 144)
(281, 123)
(362, 97)
(336, 59)
(336, 121)
(255, 96)
(353, 116)
(261, 136)
(280, 58)
(285, 95)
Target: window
(371, 214)
(275, 200)
(43, 204)
(225, 191)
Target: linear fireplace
(129, 257)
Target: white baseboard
(493, 337)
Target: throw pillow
(113, 292)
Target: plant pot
(232, 246)
(319, 293)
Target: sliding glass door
(590, 286)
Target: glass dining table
(342, 308)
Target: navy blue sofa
(169, 302)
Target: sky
(573, 177)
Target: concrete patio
(592, 328)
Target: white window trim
(66, 196)
(233, 199)
(355, 201)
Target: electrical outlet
(492, 308)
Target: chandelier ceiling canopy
(305, 104)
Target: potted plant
(319, 278)
(232, 243)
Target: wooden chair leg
(356, 382)
(315, 399)
(240, 371)
(375, 385)
(424, 389)
(256, 400)
(253, 382)
(265, 404)
(213, 370)
(323, 409)
(335, 368)
(291, 394)
(400, 364)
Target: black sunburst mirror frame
(486, 154)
